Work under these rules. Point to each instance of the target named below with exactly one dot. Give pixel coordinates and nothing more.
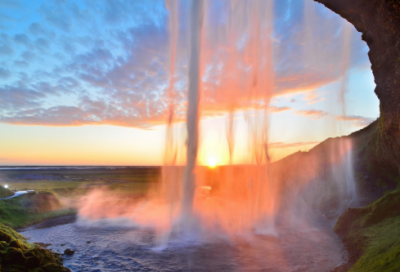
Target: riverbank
(29, 209)
(17, 254)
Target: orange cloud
(315, 114)
(278, 109)
(286, 145)
(358, 121)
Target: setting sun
(211, 162)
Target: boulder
(32, 262)
(69, 251)
(13, 256)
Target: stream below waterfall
(110, 248)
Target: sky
(85, 82)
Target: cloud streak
(315, 114)
(278, 109)
(358, 121)
(278, 145)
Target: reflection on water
(130, 248)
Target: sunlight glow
(212, 162)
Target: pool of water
(110, 248)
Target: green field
(58, 190)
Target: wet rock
(45, 255)
(43, 245)
(69, 252)
(55, 268)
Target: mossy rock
(33, 262)
(14, 268)
(13, 256)
(372, 234)
(7, 234)
(55, 268)
(16, 254)
(17, 244)
(4, 236)
(3, 245)
(386, 207)
(44, 255)
(37, 270)
(347, 219)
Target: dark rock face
(379, 21)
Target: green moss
(7, 235)
(372, 234)
(16, 254)
(383, 250)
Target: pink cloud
(358, 121)
(278, 109)
(315, 114)
(286, 145)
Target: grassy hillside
(5, 192)
(29, 209)
(372, 234)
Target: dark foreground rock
(16, 254)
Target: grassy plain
(29, 209)
(59, 189)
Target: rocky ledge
(16, 254)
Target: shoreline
(52, 222)
(47, 221)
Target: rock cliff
(379, 22)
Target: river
(128, 248)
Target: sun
(212, 162)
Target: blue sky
(68, 64)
